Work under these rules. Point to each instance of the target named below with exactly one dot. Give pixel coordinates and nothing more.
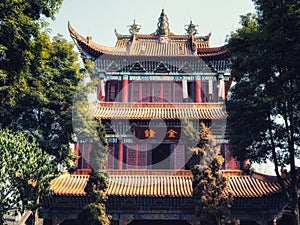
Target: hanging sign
(156, 133)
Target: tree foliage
(211, 193)
(38, 79)
(264, 103)
(95, 212)
(21, 22)
(91, 131)
(25, 172)
(38, 76)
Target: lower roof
(140, 110)
(156, 183)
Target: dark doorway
(159, 222)
(161, 156)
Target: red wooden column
(120, 155)
(161, 94)
(137, 156)
(185, 93)
(221, 94)
(198, 89)
(101, 90)
(232, 167)
(76, 149)
(125, 89)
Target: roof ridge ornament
(191, 28)
(134, 28)
(163, 28)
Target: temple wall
(161, 91)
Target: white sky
(99, 18)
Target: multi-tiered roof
(158, 53)
(160, 43)
(143, 194)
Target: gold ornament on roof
(163, 25)
(191, 29)
(134, 28)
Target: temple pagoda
(147, 85)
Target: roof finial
(134, 28)
(191, 28)
(163, 25)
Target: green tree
(21, 22)
(38, 78)
(264, 103)
(45, 107)
(25, 172)
(95, 212)
(190, 137)
(211, 193)
(88, 130)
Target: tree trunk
(289, 123)
(35, 214)
(219, 221)
(35, 217)
(296, 213)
